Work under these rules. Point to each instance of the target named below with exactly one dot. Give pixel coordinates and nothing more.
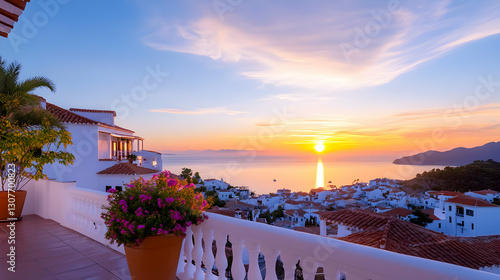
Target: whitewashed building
(488, 195)
(214, 184)
(100, 148)
(470, 216)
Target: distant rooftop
(471, 201)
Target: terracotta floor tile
(53, 252)
(60, 264)
(46, 250)
(105, 256)
(115, 265)
(24, 271)
(90, 272)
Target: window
(472, 226)
(450, 219)
(119, 188)
(449, 208)
(439, 225)
(107, 188)
(115, 148)
(460, 211)
(469, 212)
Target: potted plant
(131, 157)
(150, 218)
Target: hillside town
(382, 215)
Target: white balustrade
(338, 259)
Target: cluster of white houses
(452, 213)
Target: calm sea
(265, 174)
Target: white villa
(100, 148)
(214, 184)
(470, 216)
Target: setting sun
(320, 147)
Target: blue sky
(364, 77)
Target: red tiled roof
(301, 194)
(233, 204)
(93, 111)
(446, 193)
(282, 223)
(430, 212)
(66, 116)
(126, 168)
(222, 211)
(471, 201)
(403, 212)
(485, 192)
(317, 190)
(11, 11)
(291, 212)
(359, 219)
(315, 230)
(293, 202)
(406, 238)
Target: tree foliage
(476, 176)
(30, 136)
(420, 218)
(30, 148)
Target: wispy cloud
(202, 111)
(304, 45)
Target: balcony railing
(251, 242)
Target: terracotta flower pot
(156, 258)
(19, 197)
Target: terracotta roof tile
(291, 212)
(355, 218)
(315, 230)
(485, 192)
(410, 239)
(430, 212)
(233, 204)
(446, 193)
(403, 212)
(66, 116)
(222, 211)
(93, 111)
(471, 201)
(126, 168)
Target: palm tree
(17, 103)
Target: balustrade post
(253, 266)
(220, 259)
(237, 269)
(270, 257)
(289, 265)
(208, 255)
(188, 248)
(197, 253)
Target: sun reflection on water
(320, 175)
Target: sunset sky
(363, 78)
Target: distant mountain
(457, 156)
